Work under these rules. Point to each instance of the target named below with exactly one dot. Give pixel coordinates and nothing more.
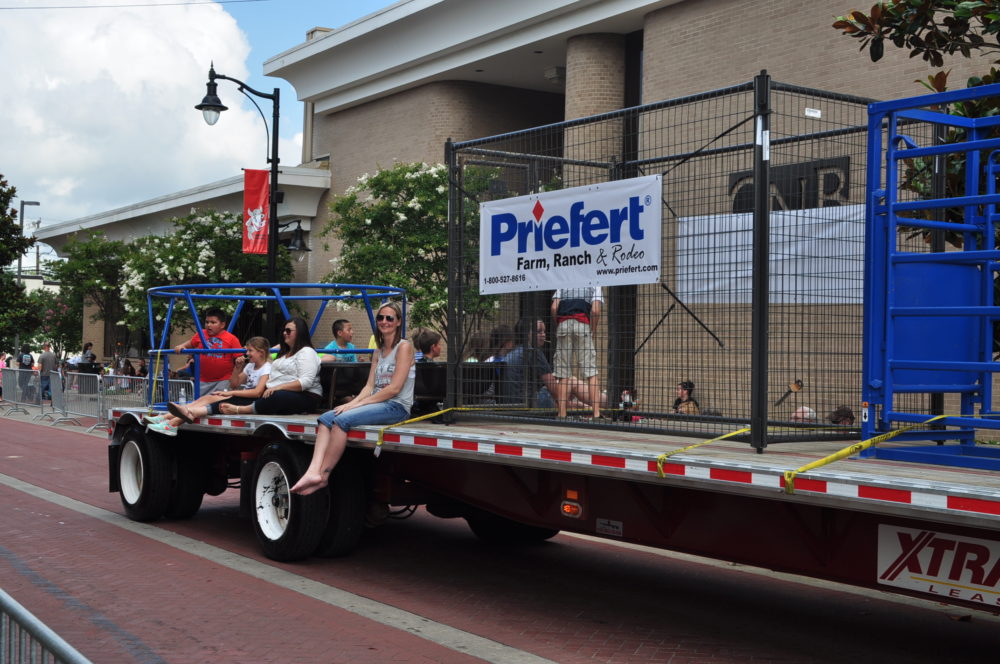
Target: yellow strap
(663, 457)
(851, 451)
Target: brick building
(397, 84)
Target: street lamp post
(211, 106)
(20, 221)
(20, 280)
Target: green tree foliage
(394, 226)
(91, 272)
(930, 29)
(202, 248)
(16, 316)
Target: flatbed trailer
(929, 531)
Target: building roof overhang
(414, 42)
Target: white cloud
(99, 109)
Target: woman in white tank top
(385, 399)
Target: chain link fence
(759, 305)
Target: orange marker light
(572, 494)
(571, 509)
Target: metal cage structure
(932, 280)
(759, 303)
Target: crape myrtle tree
(203, 247)
(59, 319)
(394, 229)
(17, 316)
(936, 30)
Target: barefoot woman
(385, 399)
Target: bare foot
(229, 409)
(309, 484)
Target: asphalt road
(418, 590)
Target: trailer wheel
(348, 503)
(188, 490)
(496, 529)
(145, 466)
(288, 526)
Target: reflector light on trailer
(571, 509)
(572, 494)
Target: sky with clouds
(100, 94)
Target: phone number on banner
(505, 279)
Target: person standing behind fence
(47, 363)
(576, 312)
(216, 368)
(26, 363)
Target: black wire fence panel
(695, 325)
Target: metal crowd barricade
(60, 412)
(24, 638)
(82, 396)
(20, 389)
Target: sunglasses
(288, 330)
(386, 317)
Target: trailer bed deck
(940, 493)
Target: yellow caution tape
(851, 451)
(663, 457)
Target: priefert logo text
(556, 232)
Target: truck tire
(348, 502)
(496, 529)
(188, 489)
(288, 526)
(145, 468)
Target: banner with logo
(255, 210)
(942, 564)
(605, 234)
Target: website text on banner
(605, 234)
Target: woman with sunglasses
(293, 386)
(385, 399)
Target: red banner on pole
(255, 211)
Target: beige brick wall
(411, 126)
(700, 45)
(595, 74)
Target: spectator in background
(343, 335)
(528, 379)
(215, 368)
(142, 370)
(477, 347)
(427, 344)
(501, 342)
(685, 404)
(576, 312)
(842, 415)
(88, 356)
(804, 414)
(47, 363)
(26, 364)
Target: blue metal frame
(950, 292)
(190, 294)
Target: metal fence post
(761, 255)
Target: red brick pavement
(568, 600)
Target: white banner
(605, 234)
(816, 257)
(941, 564)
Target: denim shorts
(385, 412)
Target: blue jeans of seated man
(384, 412)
